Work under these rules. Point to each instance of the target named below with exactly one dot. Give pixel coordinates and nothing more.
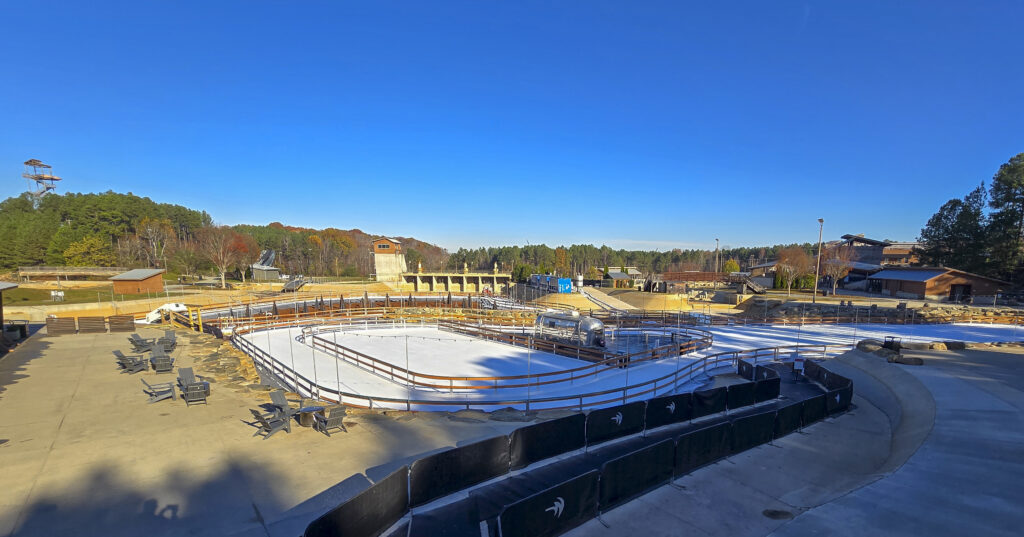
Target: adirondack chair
(162, 363)
(140, 344)
(130, 364)
(333, 420)
(269, 426)
(158, 392)
(169, 341)
(278, 399)
(194, 393)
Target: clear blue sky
(635, 124)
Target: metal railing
(603, 361)
(661, 385)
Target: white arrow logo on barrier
(671, 407)
(617, 418)
(837, 398)
(557, 507)
(765, 373)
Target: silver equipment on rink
(570, 328)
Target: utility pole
(817, 268)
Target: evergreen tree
(1006, 228)
(955, 236)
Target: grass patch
(41, 297)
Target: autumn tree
(836, 263)
(731, 266)
(156, 234)
(223, 247)
(792, 264)
(187, 258)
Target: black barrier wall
(814, 410)
(706, 402)
(740, 395)
(838, 400)
(370, 512)
(544, 440)
(764, 373)
(553, 511)
(448, 471)
(788, 418)
(812, 370)
(745, 369)
(766, 390)
(701, 447)
(631, 475)
(751, 431)
(608, 423)
(667, 410)
(567, 505)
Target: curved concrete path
(967, 478)
(932, 450)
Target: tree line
(113, 229)
(983, 232)
(591, 261)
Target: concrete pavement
(927, 450)
(82, 452)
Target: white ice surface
(447, 354)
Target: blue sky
(647, 125)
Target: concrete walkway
(83, 454)
(968, 476)
(932, 450)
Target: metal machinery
(570, 328)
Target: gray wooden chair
(141, 345)
(278, 399)
(194, 393)
(269, 426)
(333, 420)
(169, 341)
(162, 363)
(130, 364)
(158, 392)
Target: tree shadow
(107, 502)
(12, 364)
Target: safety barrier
(667, 383)
(605, 361)
(573, 501)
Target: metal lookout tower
(40, 178)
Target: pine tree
(955, 236)
(1006, 230)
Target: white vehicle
(157, 315)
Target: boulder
(869, 345)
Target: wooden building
(139, 281)
(933, 283)
(901, 253)
(386, 246)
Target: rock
(908, 360)
(955, 345)
(869, 345)
(938, 346)
(916, 346)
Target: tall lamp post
(817, 268)
(716, 264)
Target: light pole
(817, 268)
(716, 264)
